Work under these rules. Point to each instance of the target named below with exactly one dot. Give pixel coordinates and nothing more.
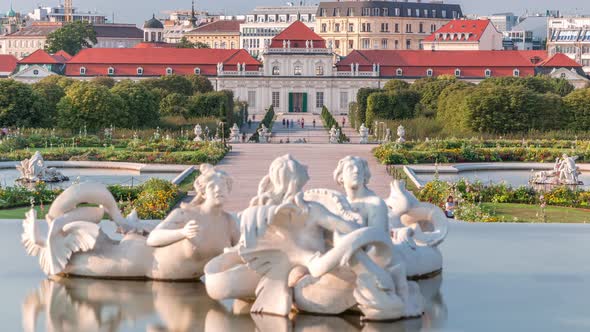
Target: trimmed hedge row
(329, 121)
(268, 121)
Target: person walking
(302, 123)
(343, 121)
(249, 123)
(313, 122)
(283, 122)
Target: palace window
(488, 73)
(168, 71)
(429, 72)
(111, 71)
(444, 13)
(139, 71)
(516, 73)
(319, 99)
(366, 11)
(408, 44)
(351, 43)
(396, 27)
(324, 27)
(366, 43)
(396, 44)
(350, 27)
(349, 12)
(384, 27)
(384, 43)
(343, 99)
(432, 27)
(82, 70)
(197, 71)
(408, 28)
(252, 98)
(421, 27)
(319, 70)
(457, 72)
(297, 70)
(337, 27)
(276, 71)
(337, 44)
(385, 11)
(396, 11)
(276, 99)
(399, 72)
(376, 11)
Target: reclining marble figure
(176, 249)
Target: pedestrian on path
(249, 123)
(313, 123)
(283, 122)
(343, 121)
(253, 117)
(302, 123)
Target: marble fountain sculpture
(318, 251)
(35, 170)
(564, 172)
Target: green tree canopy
(395, 85)
(429, 90)
(92, 105)
(140, 105)
(20, 105)
(200, 83)
(71, 38)
(185, 43)
(578, 103)
(50, 93)
(108, 82)
(170, 84)
(174, 104)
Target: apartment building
(571, 36)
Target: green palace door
(297, 102)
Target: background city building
(263, 23)
(219, 34)
(571, 36)
(58, 14)
(462, 35)
(363, 25)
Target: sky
(137, 11)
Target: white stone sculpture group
(364, 134)
(564, 172)
(334, 135)
(319, 251)
(263, 134)
(198, 132)
(401, 134)
(34, 170)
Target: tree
(20, 105)
(108, 82)
(91, 105)
(174, 104)
(71, 38)
(50, 92)
(200, 83)
(185, 43)
(395, 104)
(140, 105)
(170, 84)
(578, 104)
(452, 111)
(429, 90)
(395, 85)
(361, 98)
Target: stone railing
(298, 50)
(357, 74)
(240, 73)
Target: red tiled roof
(559, 60)
(460, 30)
(297, 33)
(222, 26)
(7, 63)
(420, 58)
(42, 57)
(154, 61)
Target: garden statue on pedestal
(565, 172)
(364, 134)
(176, 249)
(401, 133)
(334, 135)
(34, 170)
(263, 134)
(198, 131)
(387, 135)
(234, 134)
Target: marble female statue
(176, 249)
(420, 259)
(333, 135)
(401, 133)
(364, 134)
(198, 132)
(289, 261)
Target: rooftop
(460, 30)
(394, 8)
(37, 29)
(118, 31)
(7, 63)
(297, 34)
(42, 57)
(221, 26)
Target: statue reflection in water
(80, 304)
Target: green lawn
(532, 213)
(19, 213)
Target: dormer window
(457, 72)
(429, 72)
(488, 73)
(399, 72)
(197, 71)
(516, 73)
(169, 71)
(139, 71)
(82, 70)
(111, 71)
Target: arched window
(139, 71)
(169, 71)
(111, 71)
(516, 73)
(82, 70)
(457, 72)
(429, 72)
(153, 34)
(399, 72)
(297, 70)
(197, 71)
(488, 73)
(275, 70)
